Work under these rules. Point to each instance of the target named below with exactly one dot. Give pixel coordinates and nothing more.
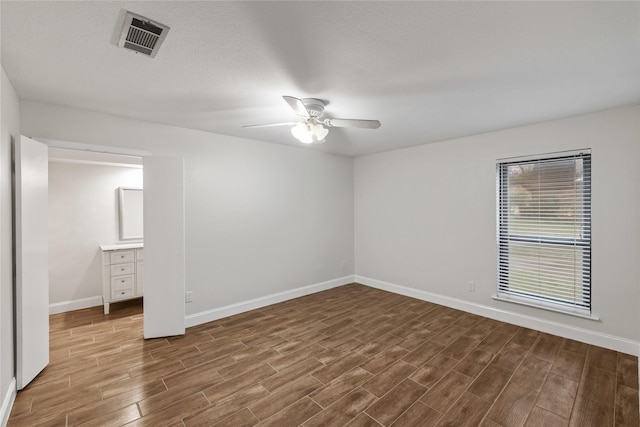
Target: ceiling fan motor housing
(315, 107)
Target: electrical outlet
(343, 265)
(188, 296)
(471, 286)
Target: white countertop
(138, 245)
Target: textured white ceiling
(429, 71)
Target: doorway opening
(163, 239)
(96, 247)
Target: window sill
(516, 300)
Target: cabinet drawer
(125, 293)
(122, 256)
(122, 286)
(121, 269)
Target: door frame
(158, 303)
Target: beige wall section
(260, 218)
(426, 216)
(10, 129)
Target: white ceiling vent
(142, 35)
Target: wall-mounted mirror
(131, 225)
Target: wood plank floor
(352, 356)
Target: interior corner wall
(83, 214)
(260, 218)
(9, 129)
(425, 219)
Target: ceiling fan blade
(268, 125)
(297, 105)
(352, 123)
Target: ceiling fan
(311, 128)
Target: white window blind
(544, 231)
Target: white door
(164, 270)
(31, 210)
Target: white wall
(83, 214)
(9, 130)
(260, 218)
(426, 219)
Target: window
(544, 231)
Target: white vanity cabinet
(122, 272)
(139, 271)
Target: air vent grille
(142, 35)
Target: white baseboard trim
(566, 331)
(7, 403)
(76, 304)
(229, 310)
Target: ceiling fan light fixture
(312, 128)
(320, 132)
(309, 132)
